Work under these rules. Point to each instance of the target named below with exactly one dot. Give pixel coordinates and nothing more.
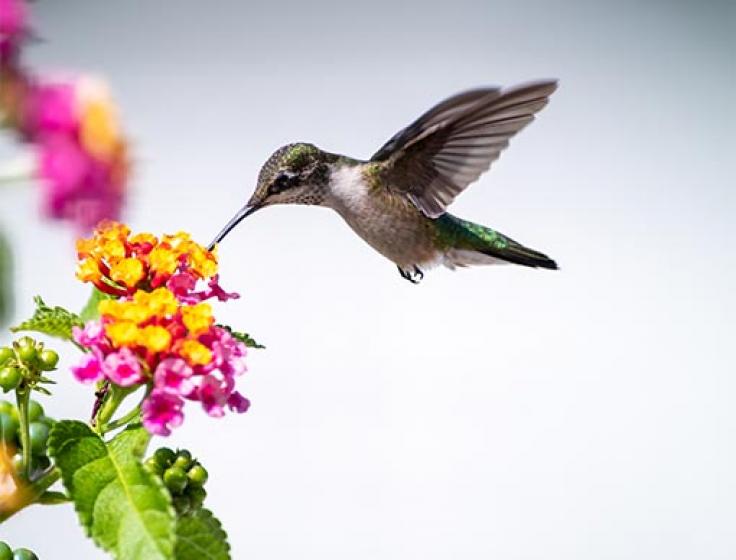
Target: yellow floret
(195, 353)
(88, 270)
(86, 247)
(197, 318)
(124, 310)
(122, 333)
(112, 250)
(162, 260)
(202, 262)
(159, 302)
(128, 272)
(155, 338)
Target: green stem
(30, 494)
(23, 397)
(114, 399)
(15, 179)
(124, 420)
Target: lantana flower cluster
(80, 151)
(159, 330)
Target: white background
(488, 413)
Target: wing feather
(437, 156)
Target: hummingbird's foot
(414, 276)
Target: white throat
(348, 189)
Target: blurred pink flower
(53, 108)
(13, 26)
(81, 152)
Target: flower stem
(124, 420)
(23, 397)
(113, 400)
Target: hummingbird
(397, 200)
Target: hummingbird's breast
(389, 223)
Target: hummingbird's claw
(414, 276)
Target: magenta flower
(161, 412)
(54, 108)
(13, 26)
(89, 368)
(172, 375)
(214, 393)
(76, 187)
(183, 285)
(122, 368)
(217, 291)
(238, 403)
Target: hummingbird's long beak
(245, 211)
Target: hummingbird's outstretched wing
(437, 156)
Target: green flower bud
(25, 341)
(153, 466)
(8, 427)
(39, 437)
(48, 359)
(28, 354)
(5, 354)
(183, 459)
(35, 411)
(8, 408)
(10, 378)
(164, 457)
(197, 475)
(175, 479)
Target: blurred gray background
(488, 413)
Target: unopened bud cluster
(183, 476)
(39, 428)
(26, 359)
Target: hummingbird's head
(294, 174)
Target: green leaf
(245, 338)
(53, 321)
(126, 510)
(89, 311)
(200, 536)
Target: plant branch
(23, 397)
(30, 494)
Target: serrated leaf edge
(53, 451)
(218, 530)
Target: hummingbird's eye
(282, 182)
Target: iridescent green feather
(456, 233)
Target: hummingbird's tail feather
(473, 244)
